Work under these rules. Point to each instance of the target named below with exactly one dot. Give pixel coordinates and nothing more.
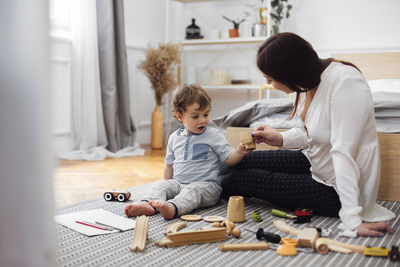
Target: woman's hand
(374, 229)
(267, 135)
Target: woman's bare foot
(138, 209)
(166, 209)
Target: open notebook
(95, 222)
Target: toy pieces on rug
(243, 246)
(170, 229)
(236, 211)
(174, 227)
(394, 253)
(282, 214)
(287, 247)
(193, 237)
(256, 215)
(305, 237)
(309, 236)
(140, 234)
(191, 217)
(322, 232)
(213, 219)
(303, 215)
(267, 236)
(120, 195)
(230, 228)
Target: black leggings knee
(281, 177)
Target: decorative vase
(263, 15)
(157, 128)
(234, 32)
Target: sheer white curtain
(89, 133)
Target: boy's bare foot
(138, 209)
(166, 209)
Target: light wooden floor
(76, 181)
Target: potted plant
(159, 66)
(281, 9)
(235, 31)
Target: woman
(335, 169)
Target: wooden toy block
(322, 247)
(307, 237)
(207, 227)
(229, 226)
(191, 217)
(337, 244)
(197, 237)
(213, 219)
(283, 227)
(286, 250)
(236, 210)
(236, 232)
(323, 242)
(247, 140)
(140, 234)
(243, 246)
(174, 227)
(218, 224)
(162, 242)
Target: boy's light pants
(186, 197)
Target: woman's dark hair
(188, 94)
(292, 61)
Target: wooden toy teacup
(236, 210)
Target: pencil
(112, 227)
(91, 225)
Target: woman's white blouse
(341, 143)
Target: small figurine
(256, 216)
(121, 196)
(303, 215)
(193, 31)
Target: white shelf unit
(232, 87)
(237, 40)
(212, 20)
(223, 45)
(237, 55)
(192, 1)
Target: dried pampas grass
(159, 66)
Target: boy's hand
(242, 149)
(237, 155)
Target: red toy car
(121, 196)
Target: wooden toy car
(121, 196)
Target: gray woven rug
(75, 249)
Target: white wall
(330, 26)
(144, 26)
(347, 24)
